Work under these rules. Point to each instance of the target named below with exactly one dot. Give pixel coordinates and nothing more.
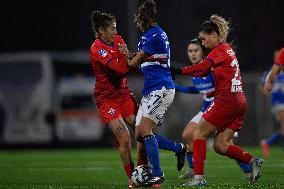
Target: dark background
(33, 25)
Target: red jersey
(279, 59)
(109, 67)
(226, 72)
(224, 65)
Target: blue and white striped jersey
(201, 85)
(277, 92)
(155, 67)
(205, 85)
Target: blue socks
(152, 150)
(189, 159)
(167, 144)
(273, 138)
(245, 167)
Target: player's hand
(174, 72)
(267, 87)
(123, 49)
(131, 55)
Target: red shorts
(113, 109)
(223, 117)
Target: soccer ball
(140, 174)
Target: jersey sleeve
(217, 56)
(186, 89)
(119, 39)
(279, 59)
(117, 64)
(99, 54)
(153, 45)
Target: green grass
(101, 168)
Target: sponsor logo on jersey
(231, 52)
(102, 52)
(111, 111)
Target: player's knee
(220, 148)
(186, 137)
(139, 138)
(125, 146)
(199, 135)
(125, 140)
(144, 131)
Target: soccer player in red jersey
(226, 114)
(115, 101)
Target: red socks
(142, 162)
(128, 169)
(199, 156)
(238, 153)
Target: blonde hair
(223, 26)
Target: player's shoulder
(98, 49)
(222, 49)
(118, 39)
(97, 44)
(156, 32)
(281, 51)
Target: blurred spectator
(274, 85)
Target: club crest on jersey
(102, 52)
(111, 111)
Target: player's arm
(186, 89)
(137, 60)
(116, 64)
(198, 70)
(274, 71)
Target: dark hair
(197, 41)
(146, 14)
(208, 27)
(216, 24)
(101, 20)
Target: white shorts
(277, 107)
(197, 117)
(155, 105)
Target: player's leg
(110, 112)
(244, 166)
(178, 148)
(278, 135)
(222, 142)
(202, 131)
(153, 108)
(281, 121)
(187, 137)
(151, 144)
(121, 132)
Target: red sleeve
(198, 70)
(217, 55)
(279, 59)
(119, 39)
(119, 66)
(105, 58)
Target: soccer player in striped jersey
(153, 57)
(274, 85)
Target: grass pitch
(101, 168)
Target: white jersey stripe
(153, 63)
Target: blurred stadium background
(46, 81)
